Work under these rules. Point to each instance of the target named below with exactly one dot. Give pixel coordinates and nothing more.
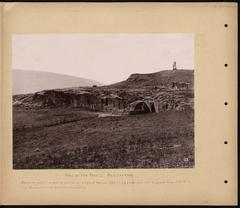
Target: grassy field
(70, 138)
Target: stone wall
(114, 101)
(86, 100)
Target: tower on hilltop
(174, 65)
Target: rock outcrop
(166, 95)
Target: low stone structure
(144, 106)
(180, 85)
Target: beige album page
(119, 103)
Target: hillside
(26, 81)
(164, 91)
(69, 138)
(161, 78)
(146, 121)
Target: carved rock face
(111, 101)
(165, 90)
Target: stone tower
(174, 65)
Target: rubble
(154, 97)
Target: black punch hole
(226, 25)
(225, 181)
(225, 142)
(226, 65)
(225, 103)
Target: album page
(118, 103)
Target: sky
(106, 58)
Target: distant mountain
(26, 81)
(164, 78)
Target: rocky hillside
(161, 78)
(166, 90)
(26, 81)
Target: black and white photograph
(103, 101)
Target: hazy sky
(106, 58)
